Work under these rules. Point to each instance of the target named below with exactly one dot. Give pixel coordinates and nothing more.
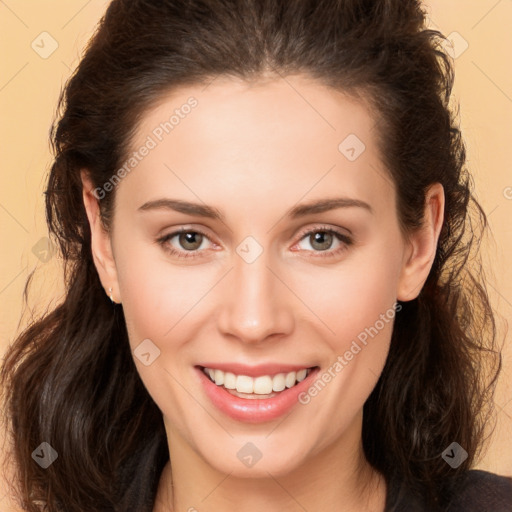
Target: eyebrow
(202, 210)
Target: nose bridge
(255, 305)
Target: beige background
(30, 82)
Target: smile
(265, 395)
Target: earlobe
(422, 246)
(101, 246)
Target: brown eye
(321, 240)
(187, 243)
(324, 242)
(190, 240)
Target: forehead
(227, 110)
(286, 135)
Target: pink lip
(255, 371)
(254, 410)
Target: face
(257, 236)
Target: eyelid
(184, 229)
(324, 228)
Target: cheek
(359, 307)
(158, 303)
(158, 295)
(350, 298)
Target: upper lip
(255, 370)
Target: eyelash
(346, 241)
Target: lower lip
(254, 410)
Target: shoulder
(482, 491)
(474, 491)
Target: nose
(255, 305)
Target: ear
(101, 245)
(422, 246)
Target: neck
(335, 479)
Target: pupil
(318, 239)
(188, 238)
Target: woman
(264, 213)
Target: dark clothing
(479, 491)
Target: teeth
(290, 379)
(218, 377)
(262, 385)
(301, 374)
(244, 384)
(229, 380)
(279, 382)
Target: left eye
(322, 240)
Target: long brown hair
(69, 378)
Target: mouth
(258, 397)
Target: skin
(253, 151)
